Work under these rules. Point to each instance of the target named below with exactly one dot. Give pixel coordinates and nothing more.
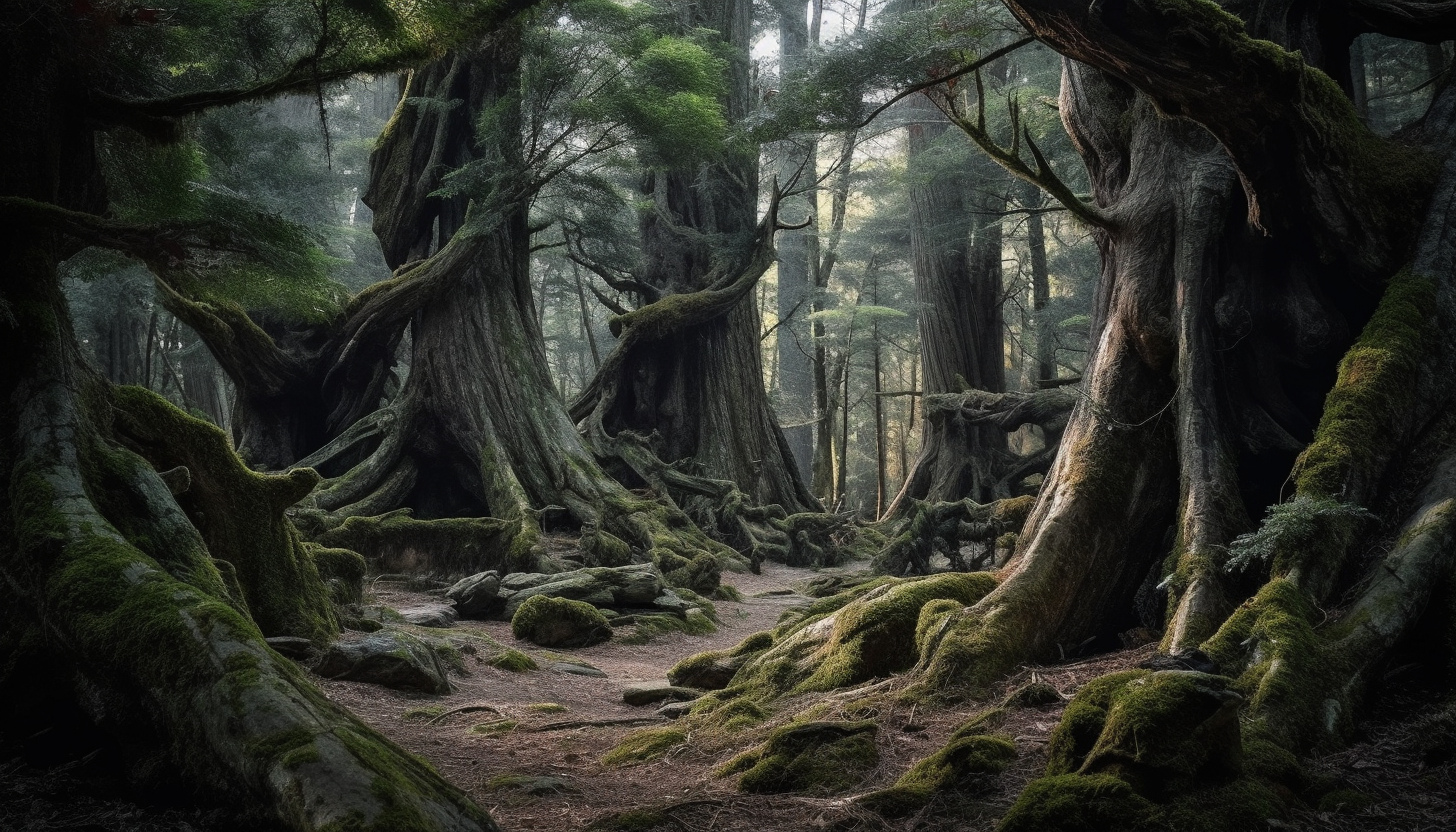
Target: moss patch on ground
(811, 757)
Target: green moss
(724, 592)
(1083, 719)
(955, 765)
(983, 722)
(642, 746)
(648, 627)
(1077, 803)
(493, 727)
(547, 708)
(343, 570)
(1289, 669)
(552, 621)
(814, 757)
(460, 544)
(240, 513)
(423, 714)
(1373, 393)
(877, 634)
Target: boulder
(559, 622)
(294, 647)
(478, 596)
(429, 615)
(650, 692)
(706, 671)
(389, 658)
(638, 585)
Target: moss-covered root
(686, 556)
(451, 548)
(160, 659)
(959, 764)
(943, 527)
(645, 745)
(872, 631)
(239, 513)
(814, 757)
(1148, 750)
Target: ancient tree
(1272, 338)
(142, 563)
(680, 402)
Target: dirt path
(475, 749)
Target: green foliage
(1288, 526)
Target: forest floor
(516, 742)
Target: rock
(477, 596)
(429, 615)
(294, 647)
(651, 692)
(559, 622)
(578, 669)
(389, 658)
(672, 602)
(674, 710)
(708, 673)
(619, 586)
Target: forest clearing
(1014, 415)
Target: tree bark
(697, 391)
(956, 248)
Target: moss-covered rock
(813, 757)
(390, 658)
(559, 622)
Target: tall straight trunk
(794, 376)
(1043, 329)
(956, 248)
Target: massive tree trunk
(478, 430)
(955, 239)
(1242, 244)
(1249, 224)
(121, 622)
(690, 382)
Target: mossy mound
(956, 765)
(813, 757)
(559, 622)
(642, 746)
(1163, 730)
(871, 633)
(714, 669)
(1077, 803)
(647, 627)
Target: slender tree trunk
(958, 292)
(794, 376)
